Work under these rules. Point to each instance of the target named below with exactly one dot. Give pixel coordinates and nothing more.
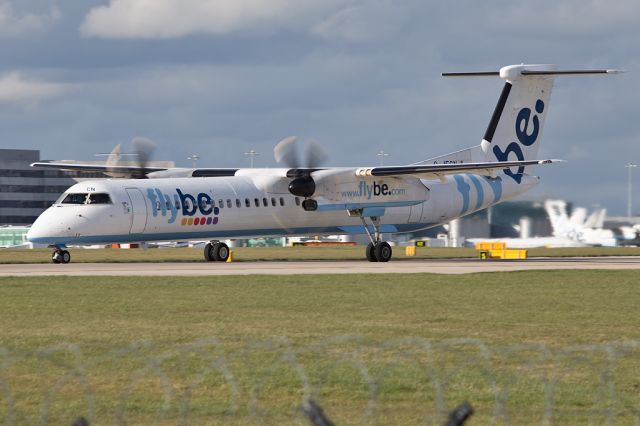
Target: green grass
(130, 332)
(285, 254)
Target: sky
(217, 78)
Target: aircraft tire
(65, 256)
(371, 255)
(383, 251)
(221, 252)
(209, 252)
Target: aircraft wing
(439, 170)
(136, 171)
(77, 167)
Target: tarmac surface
(446, 266)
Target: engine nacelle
(303, 186)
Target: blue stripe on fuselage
(205, 235)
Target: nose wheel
(61, 256)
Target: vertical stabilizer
(515, 128)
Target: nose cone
(46, 229)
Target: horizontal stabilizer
(523, 71)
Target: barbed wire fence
(340, 380)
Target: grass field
(249, 316)
(285, 253)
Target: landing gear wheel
(383, 251)
(208, 252)
(216, 252)
(371, 255)
(61, 256)
(221, 252)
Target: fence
(351, 379)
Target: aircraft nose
(45, 229)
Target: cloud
(12, 25)
(161, 19)
(570, 17)
(365, 20)
(15, 89)
(351, 20)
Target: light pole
(382, 154)
(194, 158)
(252, 154)
(629, 166)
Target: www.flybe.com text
(373, 190)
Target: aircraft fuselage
(255, 204)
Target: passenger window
(273, 201)
(247, 202)
(282, 201)
(99, 199)
(75, 199)
(257, 202)
(221, 203)
(265, 202)
(297, 201)
(228, 203)
(238, 203)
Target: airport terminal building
(25, 192)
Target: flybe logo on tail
(527, 129)
(195, 209)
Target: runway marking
(448, 266)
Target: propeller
(142, 150)
(287, 153)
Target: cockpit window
(75, 199)
(84, 198)
(99, 199)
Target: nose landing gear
(60, 256)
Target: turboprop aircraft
(303, 197)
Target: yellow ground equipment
(410, 251)
(498, 250)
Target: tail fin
(558, 217)
(516, 124)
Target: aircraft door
(138, 211)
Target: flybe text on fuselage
(183, 203)
(526, 137)
(375, 189)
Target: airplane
(588, 230)
(575, 230)
(147, 204)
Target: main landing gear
(377, 250)
(60, 256)
(216, 251)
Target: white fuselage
(257, 203)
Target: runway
(448, 266)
